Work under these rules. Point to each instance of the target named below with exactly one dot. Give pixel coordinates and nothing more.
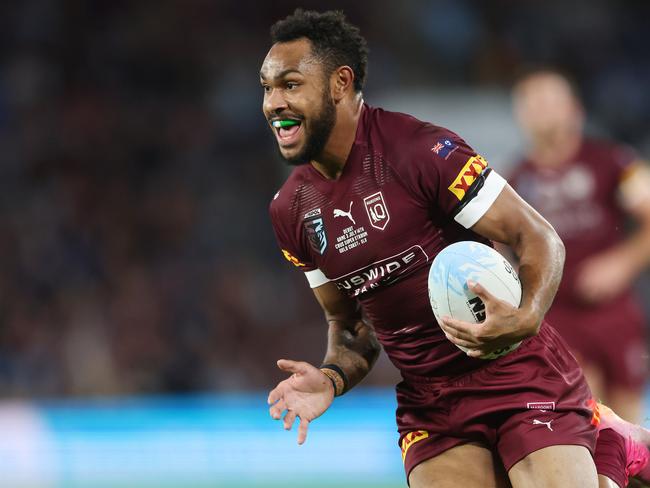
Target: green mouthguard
(284, 123)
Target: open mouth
(287, 131)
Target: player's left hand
(503, 326)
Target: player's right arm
(352, 349)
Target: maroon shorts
(610, 456)
(532, 398)
(611, 337)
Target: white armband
(316, 278)
(477, 206)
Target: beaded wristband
(337, 376)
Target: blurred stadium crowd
(136, 254)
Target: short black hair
(333, 38)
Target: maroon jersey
(408, 189)
(581, 200)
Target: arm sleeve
(292, 248)
(451, 176)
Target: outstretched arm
(352, 349)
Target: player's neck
(335, 154)
(556, 150)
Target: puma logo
(343, 213)
(547, 424)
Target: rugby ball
(449, 294)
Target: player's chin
(288, 153)
(293, 154)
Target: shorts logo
(291, 258)
(316, 235)
(541, 422)
(377, 210)
(473, 167)
(411, 438)
(540, 405)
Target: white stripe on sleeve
(476, 208)
(316, 278)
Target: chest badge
(314, 226)
(377, 210)
(343, 213)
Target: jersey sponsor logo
(377, 210)
(540, 405)
(472, 169)
(444, 148)
(291, 258)
(382, 273)
(411, 438)
(316, 235)
(343, 213)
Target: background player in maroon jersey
(586, 188)
(374, 196)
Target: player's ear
(341, 81)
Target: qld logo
(315, 232)
(377, 210)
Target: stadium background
(143, 301)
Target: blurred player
(372, 199)
(586, 188)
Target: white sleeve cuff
(476, 208)
(316, 278)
